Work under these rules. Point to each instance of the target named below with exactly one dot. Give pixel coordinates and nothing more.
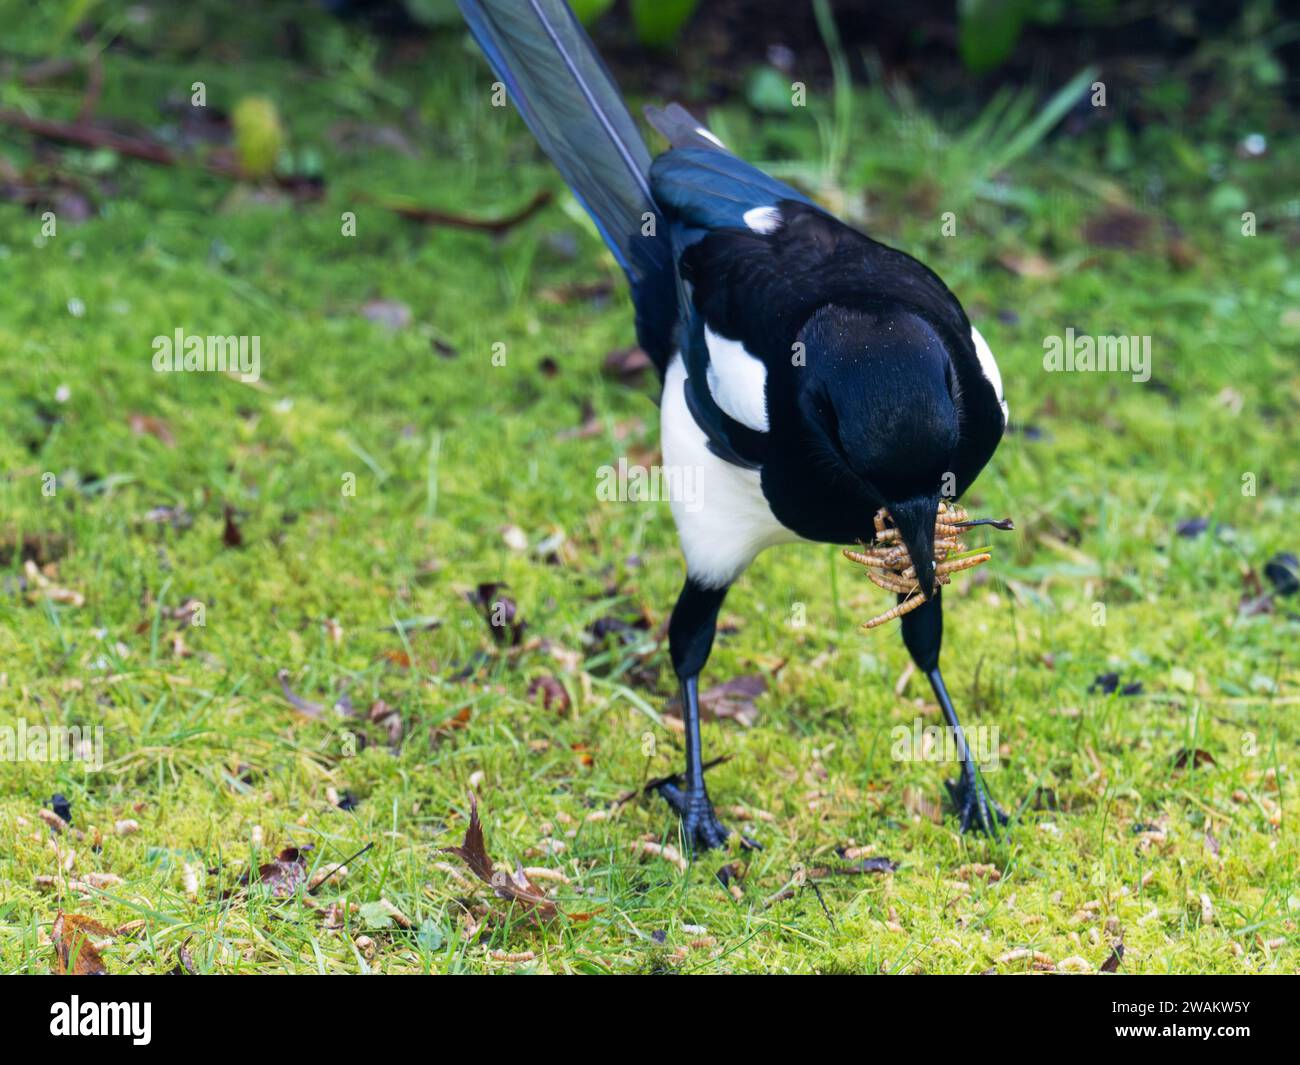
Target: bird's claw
(700, 825)
(974, 806)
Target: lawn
(270, 595)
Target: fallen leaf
(41, 548)
(286, 872)
(627, 629)
(231, 535)
(1196, 758)
(514, 887)
(1118, 227)
(149, 425)
(627, 364)
(500, 612)
(734, 699)
(1249, 606)
(74, 953)
(552, 691)
(387, 716)
(1027, 264)
(593, 425)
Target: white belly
(727, 522)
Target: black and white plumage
(811, 375)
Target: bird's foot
(974, 805)
(700, 825)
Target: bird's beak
(914, 519)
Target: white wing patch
(728, 521)
(763, 219)
(737, 380)
(989, 367)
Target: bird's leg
(975, 807)
(690, 639)
(688, 794)
(923, 635)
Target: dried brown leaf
(149, 425)
(1028, 264)
(1119, 227)
(1195, 758)
(74, 953)
(734, 700)
(231, 535)
(500, 612)
(515, 887)
(552, 692)
(286, 872)
(627, 364)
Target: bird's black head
(874, 411)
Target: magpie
(811, 376)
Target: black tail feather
(567, 97)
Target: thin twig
(432, 216)
(341, 865)
(90, 135)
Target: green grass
(205, 753)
